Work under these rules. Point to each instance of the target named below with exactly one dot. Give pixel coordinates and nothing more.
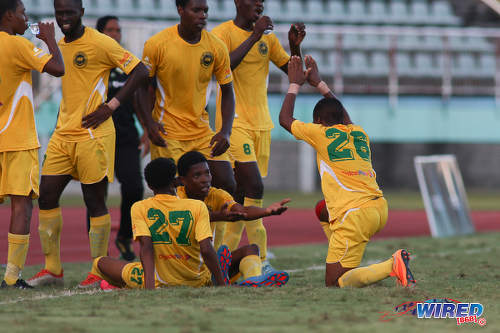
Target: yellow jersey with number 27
(176, 227)
(344, 164)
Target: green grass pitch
(462, 268)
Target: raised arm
(147, 261)
(296, 77)
(210, 258)
(220, 141)
(296, 35)
(54, 66)
(263, 23)
(137, 77)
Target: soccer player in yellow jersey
(251, 51)
(174, 236)
(195, 175)
(181, 61)
(83, 144)
(356, 206)
(19, 168)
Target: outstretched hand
(296, 72)
(296, 34)
(313, 76)
(278, 208)
(227, 215)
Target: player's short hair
(181, 3)
(102, 21)
(188, 160)
(7, 5)
(76, 2)
(331, 111)
(160, 173)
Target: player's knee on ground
(252, 249)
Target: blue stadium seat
(126, 8)
(167, 9)
(229, 9)
(273, 10)
(352, 41)
(376, 42)
(465, 66)
(294, 11)
(380, 64)
(398, 12)
(487, 65)
(357, 64)
(357, 12)
(336, 12)
(424, 65)
(146, 8)
(409, 42)
(441, 14)
(378, 12)
(403, 64)
(431, 43)
(419, 12)
(315, 11)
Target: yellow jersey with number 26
(344, 164)
(176, 227)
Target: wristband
(113, 104)
(323, 88)
(293, 88)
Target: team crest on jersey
(263, 49)
(80, 60)
(207, 58)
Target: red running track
(296, 226)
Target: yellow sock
(251, 266)
(49, 228)
(363, 276)
(95, 268)
(219, 230)
(16, 257)
(100, 228)
(256, 232)
(232, 236)
(326, 229)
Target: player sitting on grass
(195, 174)
(356, 207)
(174, 235)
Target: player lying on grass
(19, 167)
(356, 207)
(174, 235)
(194, 173)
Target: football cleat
(124, 246)
(224, 256)
(106, 286)
(46, 278)
(20, 284)
(401, 269)
(273, 279)
(91, 281)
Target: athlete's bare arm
(296, 76)
(263, 23)
(210, 258)
(137, 77)
(147, 260)
(54, 66)
(144, 99)
(296, 35)
(220, 141)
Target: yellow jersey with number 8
(344, 164)
(176, 227)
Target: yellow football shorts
(133, 276)
(351, 233)
(19, 173)
(176, 148)
(251, 146)
(87, 161)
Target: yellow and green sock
(364, 276)
(256, 231)
(250, 266)
(100, 227)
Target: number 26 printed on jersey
(337, 150)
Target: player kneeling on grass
(175, 239)
(356, 207)
(195, 174)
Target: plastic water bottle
(34, 28)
